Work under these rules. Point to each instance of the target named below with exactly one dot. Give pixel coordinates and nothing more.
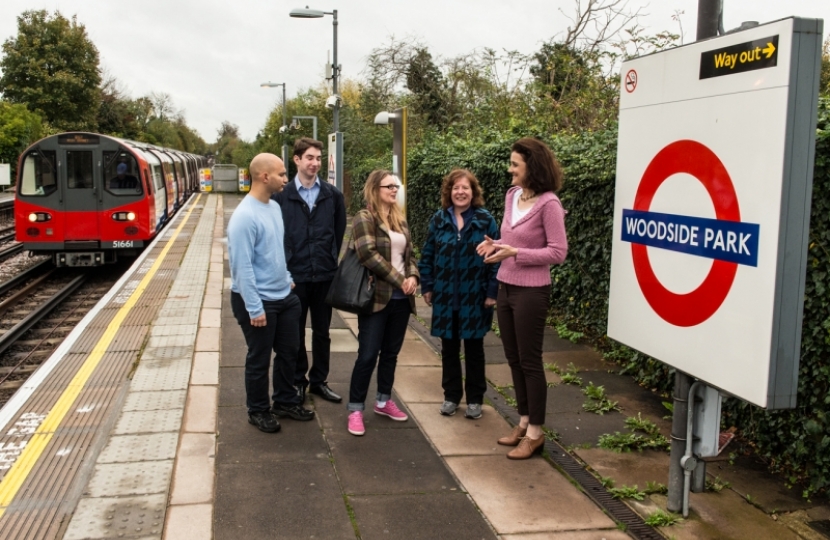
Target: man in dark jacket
(314, 213)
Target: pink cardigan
(539, 237)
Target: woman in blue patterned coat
(460, 288)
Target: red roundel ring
(697, 306)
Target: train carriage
(87, 199)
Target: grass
(661, 518)
(570, 376)
(628, 492)
(648, 438)
(716, 485)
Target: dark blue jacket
(455, 274)
(312, 237)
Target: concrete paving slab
(352, 325)
(234, 347)
(189, 522)
(724, 516)
(240, 442)
(342, 340)
(200, 412)
(749, 476)
(208, 340)
(340, 369)
(500, 375)
(553, 343)
(427, 517)
(109, 517)
(583, 360)
(565, 398)
(418, 353)
(150, 401)
(334, 416)
(161, 376)
(394, 461)
(419, 384)
(145, 447)
(156, 421)
(459, 436)
(125, 479)
(193, 474)
(210, 317)
(579, 428)
(205, 368)
(628, 468)
(494, 355)
(526, 496)
(298, 499)
(212, 301)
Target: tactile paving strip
(157, 421)
(150, 401)
(124, 479)
(161, 376)
(167, 353)
(129, 448)
(133, 517)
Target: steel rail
(5, 253)
(14, 333)
(29, 273)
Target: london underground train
(86, 199)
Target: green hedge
(796, 442)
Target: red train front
(87, 199)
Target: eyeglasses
(392, 187)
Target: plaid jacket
(374, 250)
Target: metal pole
(334, 70)
(284, 123)
(708, 13)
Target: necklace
(524, 197)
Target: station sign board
(712, 205)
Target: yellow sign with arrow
(739, 58)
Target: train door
(82, 178)
(160, 197)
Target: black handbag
(353, 286)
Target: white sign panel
(704, 202)
(5, 174)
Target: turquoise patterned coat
(455, 274)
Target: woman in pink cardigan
(532, 239)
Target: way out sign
(712, 206)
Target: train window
(37, 177)
(121, 174)
(79, 171)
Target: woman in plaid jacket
(382, 243)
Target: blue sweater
(257, 254)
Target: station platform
(136, 428)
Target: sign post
(712, 204)
(335, 160)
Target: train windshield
(121, 173)
(37, 176)
(79, 171)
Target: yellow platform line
(30, 455)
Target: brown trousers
(522, 313)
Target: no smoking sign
(630, 81)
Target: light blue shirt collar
(309, 195)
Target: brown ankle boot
(514, 437)
(527, 447)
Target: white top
(518, 214)
(398, 246)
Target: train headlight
(130, 216)
(124, 216)
(39, 216)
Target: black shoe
(264, 421)
(297, 412)
(326, 393)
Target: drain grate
(617, 510)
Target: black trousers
(522, 313)
(312, 297)
(280, 335)
(451, 379)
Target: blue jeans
(379, 340)
(280, 334)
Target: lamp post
(284, 125)
(335, 68)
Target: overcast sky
(211, 55)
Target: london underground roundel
(725, 239)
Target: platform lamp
(335, 68)
(284, 126)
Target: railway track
(38, 310)
(7, 210)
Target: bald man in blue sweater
(261, 298)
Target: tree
(18, 129)
(52, 68)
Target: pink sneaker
(392, 411)
(356, 423)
